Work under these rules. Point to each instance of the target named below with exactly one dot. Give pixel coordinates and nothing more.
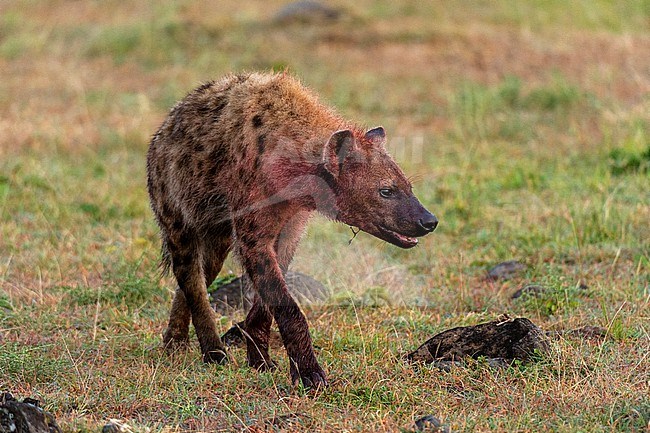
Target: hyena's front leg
(260, 261)
(258, 321)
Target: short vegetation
(525, 126)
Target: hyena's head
(371, 191)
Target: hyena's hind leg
(214, 254)
(257, 329)
(187, 252)
(176, 336)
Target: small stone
(32, 401)
(306, 11)
(6, 397)
(110, 428)
(289, 419)
(506, 270)
(430, 424)
(497, 363)
(589, 332)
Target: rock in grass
(25, 416)
(237, 295)
(506, 270)
(306, 11)
(430, 424)
(506, 338)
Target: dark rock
(529, 291)
(506, 270)
(306, 11)
(25, 416)
(228, 298)
(305, 289)
(430, 424)
(237, 295)
(505, 338)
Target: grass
(525, 126)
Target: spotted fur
(240, 164)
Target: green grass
(524, 125)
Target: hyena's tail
(165, 259)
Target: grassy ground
(527, 130)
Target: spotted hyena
(240, 164)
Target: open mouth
(395, 238)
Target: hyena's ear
(338, 147)
(377, 136)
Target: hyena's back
(212, 152)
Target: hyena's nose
(429, 222)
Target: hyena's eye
(386, 192)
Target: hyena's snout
(426, 221)
(411, 221)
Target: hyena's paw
(216, 356)
(213, 350)
(257, 355)
(260, 362)
(174, 341)
(312, 377)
